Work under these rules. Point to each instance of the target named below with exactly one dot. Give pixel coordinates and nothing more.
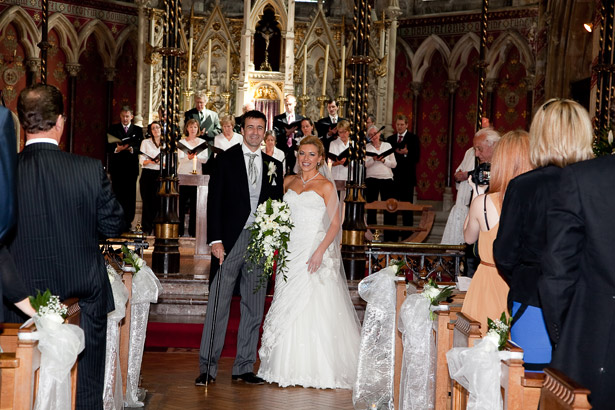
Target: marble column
(491, 84)
(110, 73)
(383, 117)
(73, 70)
(529, 106)
(34, 66)
(141, 26)
(289, 51)
(417, 86)
(393, 12)
(245, 61)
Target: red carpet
(188, 335)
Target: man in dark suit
(407, 152)
(241, 180)
(65, 204)
(577, 287)
(327, 126)
(208, 120)
(123, 142)
(287, 136)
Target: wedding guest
(560, 134)
(227, 138)
(190, 158)
(326, 126)
(208, 120)
(486, 297)
(271, 150)
(307, 127)
(150, 172)
(379, 177)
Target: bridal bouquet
(269, 235)
(436, 294)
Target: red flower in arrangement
(275, 260)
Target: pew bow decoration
(436, 294)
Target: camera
(481, 173)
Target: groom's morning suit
(231, 201)
(65, 204)
(577, 287)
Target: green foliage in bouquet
(500, 327)
(45, 303)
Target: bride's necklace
(305, 182)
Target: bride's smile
(308, 159)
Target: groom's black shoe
(200, 381)
(249, 378)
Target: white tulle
(145, 290)
(113, 397)
(311, 332)
(417, 387)
(453, 231)
(478, 370)
(60, 344)
(374, 385)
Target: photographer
(485, 142)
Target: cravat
(334, 120)
(291, 118)
(252, 172)
(400, 138)
(200, 116)
(126, 129)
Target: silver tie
(252, 172)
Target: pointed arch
(28, 32)
(407, 50)
(104, 41)
(422, 57)
(496, 55)
(320, 20)
(69, 40)
(460, 54)
(128, 34)
(258, 9)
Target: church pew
(520, 389)
(443, 335)
(19, 368)
(418, 234)
(559, 392)
(466, 332)
(125, 332)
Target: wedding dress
(311, 334)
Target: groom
(240, 181)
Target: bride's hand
(315, 261)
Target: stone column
(34, 66)
(245, 61)
(393, 12)
(73, 70)
(417, 86)
(141, 25)
(382, 81)
(447, 198)
(491, 84)
(529, 107)
(289, 51)
(110, 73)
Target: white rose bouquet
(436, 294)
(131, 258)
(269, 236)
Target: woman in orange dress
(488, 292)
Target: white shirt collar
(41, 140)
(246, 150)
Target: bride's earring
(318, 164)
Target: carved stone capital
(452, 86)
(393, 11)
(416, 88)
(142, 3)
(491, 84)
(110, 73)
(529, 82)
(33, 64)
(73, 69)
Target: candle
(228, 66)
(304, 69)
(343, 68)
(194, 162)
(189, 62)
(209, 64)
(324, 76)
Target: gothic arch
(460, 54)
(257, 12)
(69, 40)
(104, 41)
(127, 34)
(405, 47)
(422, 58)
(28, 32)
(496, 55)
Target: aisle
(169, 379)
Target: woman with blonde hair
(560, 134)
(486, 297)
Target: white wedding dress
(311, 334)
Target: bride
(311, 333)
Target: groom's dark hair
(255, 114)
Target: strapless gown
(311, 334)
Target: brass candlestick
(227, 101)
(304, 99)
(322, 100)
(341, 100)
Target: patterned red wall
(402, 99)
(124, 87)
(57, 74)
(90, 123)
(510, 111)
(432, 131)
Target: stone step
(184, 285)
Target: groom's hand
(217, 249)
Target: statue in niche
(268, 42)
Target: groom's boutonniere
(271, 170)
